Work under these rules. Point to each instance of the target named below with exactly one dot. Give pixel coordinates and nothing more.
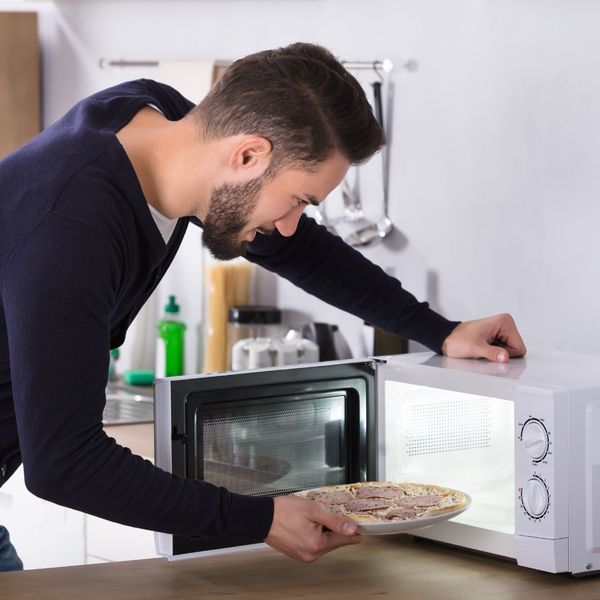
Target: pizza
(384, 501)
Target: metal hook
(375, 65)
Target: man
(92, 212)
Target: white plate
(387, 527)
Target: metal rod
(104, 63)
(378, 65)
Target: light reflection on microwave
(459, 440)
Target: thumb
(336, 523)
(494, 353)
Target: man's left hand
(495, 338)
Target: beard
(228, 214)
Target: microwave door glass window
(273, 448)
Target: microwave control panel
(535, 497)
(539, 512)
(535, 438)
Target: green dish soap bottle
(171, 331)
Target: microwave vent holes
(451, 426)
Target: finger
(509, 337)
(335, 540)
(335, 522)
(332, 541)
(515, 345)
(493, 353)
(517, 350)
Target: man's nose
(288, 224)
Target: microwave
(521, 439)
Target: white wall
(495, 173)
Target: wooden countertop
(387, 566)
(138, 437)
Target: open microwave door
(265, 432)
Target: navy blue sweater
(79, 255)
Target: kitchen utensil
(353, 211)
(384, 226)
(352, 205)
(353, 218)
(320, 216)
(365, 235)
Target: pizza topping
(424, 501)
(379, 492)
(367, 504)
(385, 501)
(330, 497)
(401, 514)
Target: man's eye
(300, 201)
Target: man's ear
(251, 156)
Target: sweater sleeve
(325, 266)
(58, 291)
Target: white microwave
(522, 439)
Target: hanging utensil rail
(104, 63)
(385, 65)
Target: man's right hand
(303, 530)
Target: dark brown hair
(301, 99)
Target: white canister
(262, 353)
(251, 353)
(259, 354)
(295, 351)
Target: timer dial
(536, 498)
(535, 438)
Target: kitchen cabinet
(20, 88)
(107, 541)
(48, 535)
(45, 534)
(111, 542)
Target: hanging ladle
(384, 226)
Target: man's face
(238, 211)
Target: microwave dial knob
(536, 498)
(535, 437)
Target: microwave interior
(454, 439)
(272, 432)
